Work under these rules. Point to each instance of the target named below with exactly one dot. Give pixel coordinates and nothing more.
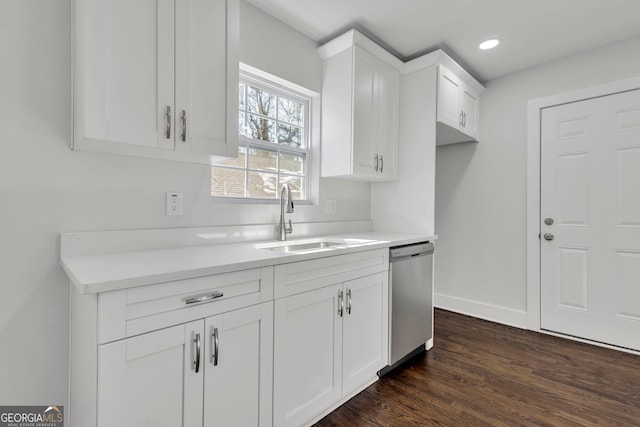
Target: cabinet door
(151, 379)
(237, 386)
(365, 138)
(470, 107)
(449, 108)
(365, 330)
(206, 84)
(125, 54)
(388, 106)
(307, 355)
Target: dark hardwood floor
(482, 373)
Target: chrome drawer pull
(196, 363)
(203, 297)
(167, 119)
(215, 341)
(183, 119)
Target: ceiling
(532, 31)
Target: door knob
(548, 236)
(548, 221)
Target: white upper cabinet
(156, 78)
(457, 109)
(387, 119)
(360, 107)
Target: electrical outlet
(174, 204)
(330, 207)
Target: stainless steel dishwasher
(411, 302)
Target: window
(273, 146)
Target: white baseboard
(493, 313)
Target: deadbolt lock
(548, 221)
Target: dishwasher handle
(400, 252)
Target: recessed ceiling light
(489, 44)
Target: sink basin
(310, 245)
(304, 246)
(301, 245)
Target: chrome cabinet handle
(376, 159)
(215, 342)
(167, 118)
(183, 119)
(203, 297)
(464, 119)
(460, 118)
(196, 363)
(381, 163)
(340, 304)
(348, 301)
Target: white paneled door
(590, 213)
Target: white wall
(481, 188)
(46, 189)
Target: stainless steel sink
(295, 247)
(301, 245)
(311, 245)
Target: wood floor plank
(481, 373)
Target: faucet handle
(289, 229)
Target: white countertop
(97, 273)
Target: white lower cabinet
(329, 342)
(239, 368)
(210, 372)
(149, 380)
(307, 352)
(279, 345)
(365, 330)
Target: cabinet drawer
(128, 312)
(296, 277)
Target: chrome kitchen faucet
(284, 230)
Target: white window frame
(274, 87)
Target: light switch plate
(330, 207)
(174, 204)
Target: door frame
(534, 124)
